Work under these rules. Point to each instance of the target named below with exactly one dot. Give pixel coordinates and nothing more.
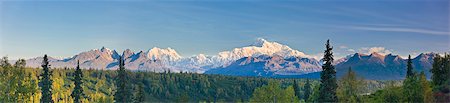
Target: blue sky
(65, 28)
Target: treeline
(74, 85)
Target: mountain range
(262, 58)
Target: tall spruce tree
(45, 82)
(409, 68)
(296, 89)
(328, 86)
(123, 93)
(307, 90)
(77, 92)
(411, 85)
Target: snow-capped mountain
(263, 58)
(269, 66)
(155, 59)
(158, 59)
(167, 55)
(261, 47)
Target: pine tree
(307, 90)
(411, 86)
(296, 89)
(328, 86)
(77, 93)
(409, 68)
(45, 82)
(123, 93)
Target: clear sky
(65, 28)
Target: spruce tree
(328, 86)
(45, 82)
(411, 86)
(409, 68)
(77, 92)
(123, 93)
(307, 90)
(296, 89)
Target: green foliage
(441, 78)
(77, 93)
(314, 97)
(45, 82)
(15, 83)
(297, 89)
(139, 95)
(426, 89)
(328, 86)
(350, 87)
(123, 93)
(306, 90)
(274, 93)
(411, 85)
(20, 84)
(390, 94)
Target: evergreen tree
(409, 68)
(296, 89)
(123, 93)
(46, 82)
(328, 86)
(307, 90)
(411, 86)
(77, 93)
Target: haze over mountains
(263, 58)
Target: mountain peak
(166, 54)
(260, 42)
(103, 49)
(375, 54)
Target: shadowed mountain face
(384, 67)
(269, 66)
